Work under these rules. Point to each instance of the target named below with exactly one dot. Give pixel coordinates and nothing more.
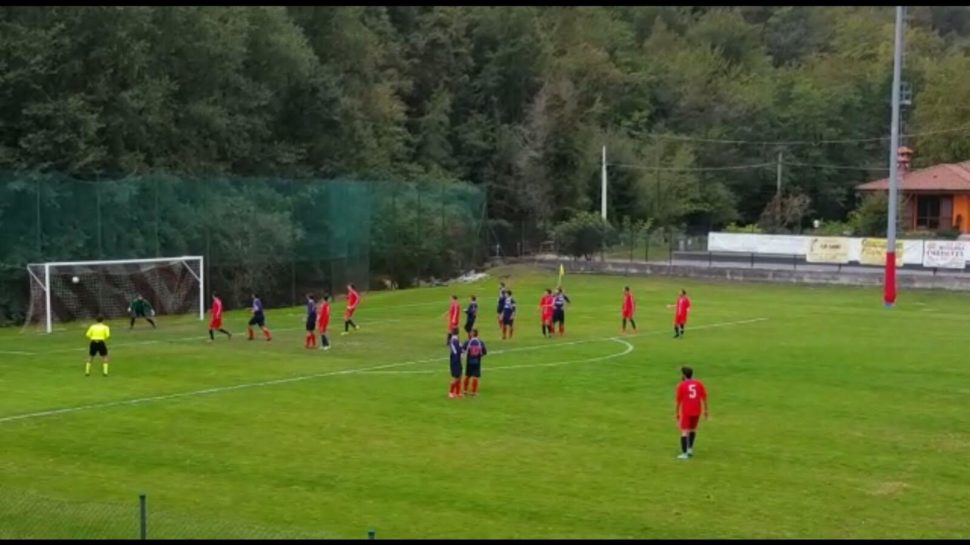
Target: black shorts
(98, 348)
(473, 369)
(469, 326)
(559, 315)
(258, 319)
(455, 369)
(138, 314)
(311, 323)
(508, 320)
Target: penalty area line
(628, 348)
(301, 378)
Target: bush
(583, 235)
(871, 216)
(834, 229)
(735, 228)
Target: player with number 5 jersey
(691, 399)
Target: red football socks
(466, 382)
(250, 330)
(267, 334)
(474, 386)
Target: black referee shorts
(98, 348)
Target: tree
(583, 235)
(785, 213)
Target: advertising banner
(828, 250)
(944, 254)
(873, 252)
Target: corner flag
(562, 272)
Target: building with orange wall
(934, 198)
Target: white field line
(358, 370)
(17, 353)
(629, 348)
(173, 340)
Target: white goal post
(69, 290)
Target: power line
(692, 169)
(745, 167)
(834, 167)
(799, 142)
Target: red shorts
(680, 320)
(322, 328)
(215, 323)
(349, 313)
(689, 422)
(627, 315)
(546, 318)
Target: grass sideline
(831, 417)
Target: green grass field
(831, 417)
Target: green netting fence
(282, 238)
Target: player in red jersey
(323, 320)
(691, 395)
(215, 323)
(454, 314)
(545, 307)
(680, 315)
(353, 299)
(629, 307)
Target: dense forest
(695, 105)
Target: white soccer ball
(75, 280)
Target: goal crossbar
(198, 258)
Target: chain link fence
(283, 238)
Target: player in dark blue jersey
(559, 310)
(258, 319)
(454, 356)
(311, 322)
(501, 302)
(471, 314)
(474, 350)
(508, 315)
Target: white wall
(798, 245)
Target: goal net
(66, 291)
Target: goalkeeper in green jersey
(141, 308)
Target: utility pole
(603, 180)
(781, 155)
(889, 291)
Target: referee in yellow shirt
(98, 334)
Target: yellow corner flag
(562, 272)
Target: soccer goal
(72, 290)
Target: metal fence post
(143, 507)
